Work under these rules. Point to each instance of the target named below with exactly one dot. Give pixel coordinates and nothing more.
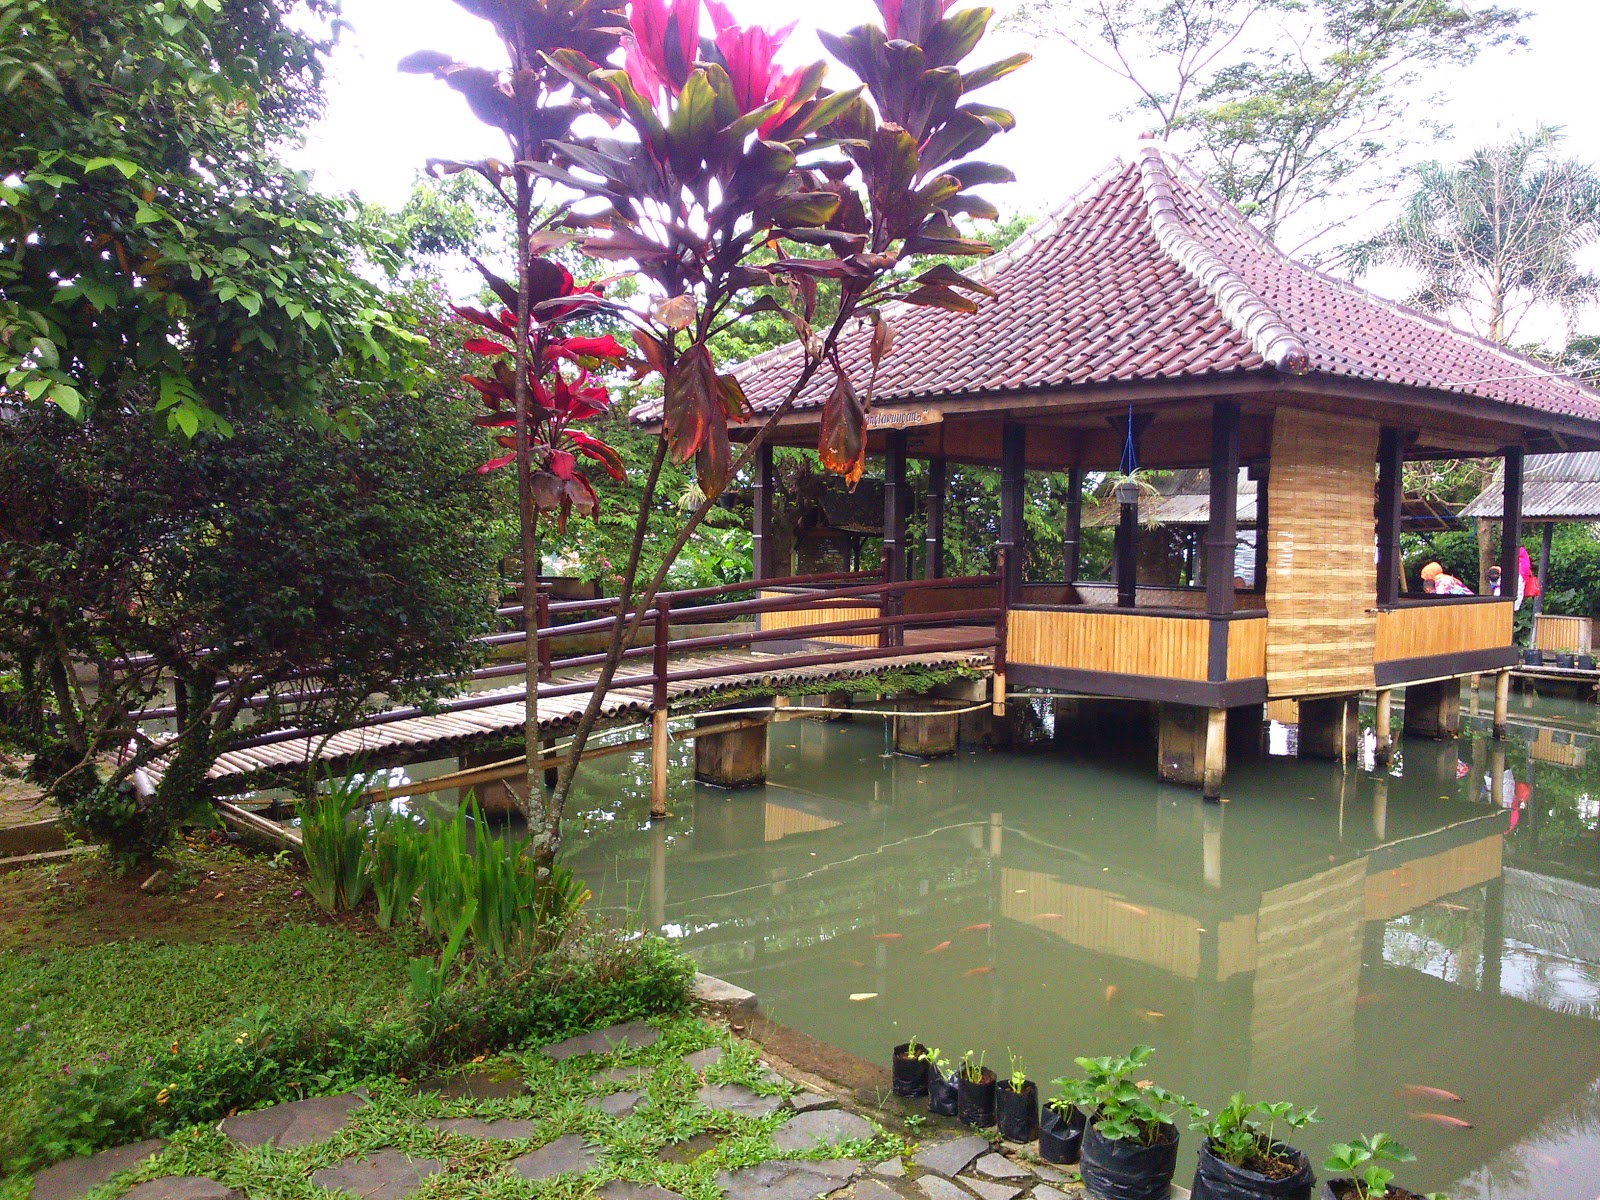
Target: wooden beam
(1013, 492)
(1222, 529)
(933, 541)
(249, 822)
(1391, 460)
(761, 518)
(1071, 543)
(894, 505)
(1511, 527)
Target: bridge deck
(449, 732)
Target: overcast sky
(381, 126)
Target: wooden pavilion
(1148, 309)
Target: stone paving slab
(472, 1085)
(632, 1076)
(893, 1169)
(936, 1188)
(701, 1059)
(384, 1175)
(73, 1178)
(737, 1099)
(787, 1180)
(636, 1034)
(182, 1187)
(1052, 1173)
(689, 1149)
(809, 1130)
(569, 1154)
(300, 1123)
(950, 1157)
(998, 1166)
(985, 1190)
(811, 1101)
(494, 1131)
(874, 1189)
(1044, 1191)
(617, 1104)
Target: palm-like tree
(1497, 236)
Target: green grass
(139, 996)
(629, 1147)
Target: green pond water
(1330, 936)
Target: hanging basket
(1127, 492)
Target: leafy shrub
(1121, 1108)
(396, 861)
(333, 824)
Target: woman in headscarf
(1437, 581)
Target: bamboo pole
(248, 822)
(1502, 705)
(1382, 721)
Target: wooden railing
(1436, 628)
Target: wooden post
(894, 505)
(933, 541)
(1071, 544)
(1263, 478)
(1391, 461)
(761, 518)
(1127, 556)
(658, 712)
(1382, 723)
(1222, 537)
(1544, 565)
(1510, 524)
(1013, 491)
(1502, 705)
(998, 700)
(1216, 770)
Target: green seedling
(1238, 1134)
(1363, 1159)
(1123, 1107)
(972, 1071)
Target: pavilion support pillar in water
(1329, 727)
(1383, 725)
(927, 736)
(1193, 747)
(1502, 705)
(1433, 710)
(736, 758)
(494, 798)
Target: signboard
(903, 418)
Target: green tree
(284, 578)
(153, 248)
(1497, 236)
(1287, 105)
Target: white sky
(381, 126)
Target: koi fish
(1111, 992)
(1441, 1119)
(1415, 1091)
(977, 971)
(1371, 998)
(976, 928)
(850, 962)
(1151, 1014)
(858, 997)
(1448, 905)
(941, 947)
(1050, 917)
(887, 937)
(1133, 908)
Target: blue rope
(1130, 456)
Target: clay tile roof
(1149, 276)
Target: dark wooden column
(894, 504)
(1127, 556)
(1013, 491)
(761, 520)
(1545, 539)
(1511, 524)
(1073, 539)
(1391, 463)
(1263, 476)
(1222, 532)
(933, 542)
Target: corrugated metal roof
(1555, 487)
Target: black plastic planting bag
(1125, 1170)
(1060, 1138)
(941, 1094)
(910, 1070)
(975, 1100)
(1016, 1114)
(1217, 1180)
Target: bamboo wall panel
(923, 601)
(1102, 921)
(1545, 748)
(1320, 593)
(1121, 643)
(822, 612)
(1567, 635)
(1442, 629)
(1247, 649)
(1236, 947)
(783, 821)
(1405, 888)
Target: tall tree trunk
(532, 800)
(1485, 554)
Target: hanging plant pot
(975, 1099)
(943, 1093)
(1016, 1112)
(1060, 1137)
(1215, 1179)
(910, 1070)
(1124, 1170)
(1126, 492)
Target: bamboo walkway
(447, 733)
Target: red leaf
(502, 324)
(494, 464)
(485, 346)
(842, 441)
(562, 464)
(592, 447)
(587, 347)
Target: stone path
(481, 1118)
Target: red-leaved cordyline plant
(718, 165)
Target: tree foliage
(285, 577)
(153, 248)
(1286, 104)
(1497, 236)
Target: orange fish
(937, 949)
(978, 971)
(850, 962)
(1415, 1091)
(887, 937)
(1151, 1014)
(1049, 917)
(1441, 1119)
(976, 928)
(1371, 998)
(1445, 904)
(1133, 908)
(1111, 992)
